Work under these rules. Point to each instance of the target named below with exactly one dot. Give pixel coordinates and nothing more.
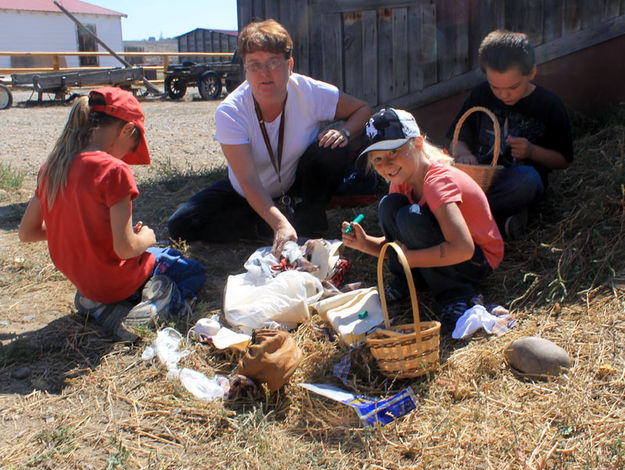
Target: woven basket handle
(413, 293)
(496, 127)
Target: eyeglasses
(269, 66)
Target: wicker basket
(484, 175)
(409, 350)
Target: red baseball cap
(123, 105)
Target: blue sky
(171, 18)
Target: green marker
(363, 314)
(359, 218)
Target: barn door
(86, 43)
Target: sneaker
(450, 315)
(109, 316)
(160, 300)
(516, 225)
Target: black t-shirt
(540, 117)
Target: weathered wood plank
(353, 53)
(592, 13)
(612, 8)
(445, 39)
(315, 48)
(272, 9)
(370, 57)
(553, 20)
(332, 49)
(385, 55)
(258, 10)
(415, 71)
(244, 12)
(344, 6)
(399, 21)
(429, 43)
(461, 38)
(486, 16)
(572, 16)
(298, 19)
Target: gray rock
(536, 356)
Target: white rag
(478, 317)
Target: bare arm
(522, 149)
(126, 243)
(32, 226)
(457, 247)
(242, 164)
(359, 240)
(354, 112)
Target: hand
(147, 234)
(332, 138)
(356, 238)
(283, 234)
(520, 147)
(467, 159)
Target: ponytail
(73, 139)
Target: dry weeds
(89, 403)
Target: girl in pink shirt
(437, 213)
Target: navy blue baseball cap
(389, 129)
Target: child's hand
(146, 233)
(520, 147)
(356, 238)
(467, 159)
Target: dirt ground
(71, 398)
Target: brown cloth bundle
(271, 359)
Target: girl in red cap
(83, 207)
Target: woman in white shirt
(282, 171)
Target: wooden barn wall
(410, 53)
(206, 40)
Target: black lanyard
(276, 162)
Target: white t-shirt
(309, 103)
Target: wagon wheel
(6, 97)
(175, 87)
(209, 85)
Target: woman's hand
(284, 233)
(333, 138)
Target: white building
(39, 26)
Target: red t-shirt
(78, 226)
(445, 184)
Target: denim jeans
(219, 214)
(416, 227)
(515, 188)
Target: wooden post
(165, 65)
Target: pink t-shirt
(446, 184)
(78, 226)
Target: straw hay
(109, 409)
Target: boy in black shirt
(536, 133)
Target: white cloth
(309, 103)
(478, 317)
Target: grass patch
(10, 178)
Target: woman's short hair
(500, 50)
(265, 36)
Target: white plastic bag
(259, 264)
(165, 347)
(202, 387)
(283, 299)
(346, 313)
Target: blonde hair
(73, 139)
(431, 152)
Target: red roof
(73, 6)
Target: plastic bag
(202, 387)
(165, 347)
(283, 299)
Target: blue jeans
(515, 188)
(219, 214)
(416, 227)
